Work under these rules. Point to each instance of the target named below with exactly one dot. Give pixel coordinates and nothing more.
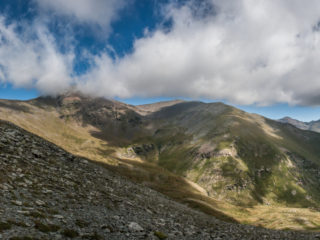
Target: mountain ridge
(244, 162)
(37, 186)
(311, 126)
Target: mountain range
(236, 166)
(311, 126)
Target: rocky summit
(47, 193)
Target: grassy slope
(177, 155)
(75, 138)
(265, 170)
(259, 159)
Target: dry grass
(277, 217)
(77, 139)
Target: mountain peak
(286, 118)
(295, 122)
(235, 157)
(154, 107)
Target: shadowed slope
(212, 156)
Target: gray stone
(135, 227)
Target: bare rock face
(47, 193)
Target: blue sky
(143, 51)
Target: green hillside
(231, 164)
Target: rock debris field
(47, 193)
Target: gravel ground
(47, 193)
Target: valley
(238, 167)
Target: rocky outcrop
(144, 148)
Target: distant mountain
(311, 126)
(226, 162)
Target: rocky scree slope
(47, 193)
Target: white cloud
(31, 59)
(250, 51)
(101, 12)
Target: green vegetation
(244, 168)
(4, 226)
(94, 236)
(23, 238)
(35, 214)
(19, 224)
(160, 235)
(81, 223)
(70, 233)
(46, 227)
(176, 160)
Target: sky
(262, 56)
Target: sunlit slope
(46, 121)
(226, 162)
(236, 156)
(61, 121)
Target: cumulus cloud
(248, 51)
(30, 55)
(31, 59)
(244, 51)
(101, 12)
